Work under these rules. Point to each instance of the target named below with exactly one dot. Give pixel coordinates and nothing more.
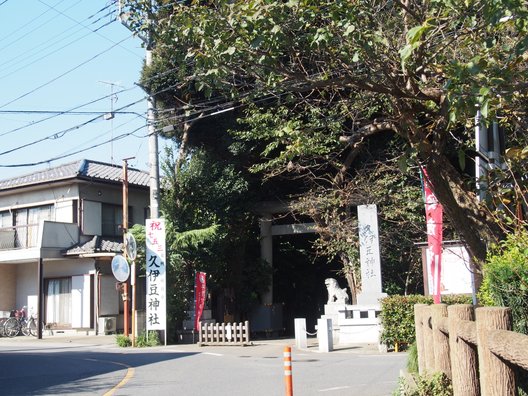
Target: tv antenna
(110, 115)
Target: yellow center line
(126, 378)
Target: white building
(59, 230)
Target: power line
(47, 54)
(58, 135)
(64, 74)
(119, 137)
(63, 112)
(12, 42)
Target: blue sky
(68, 56)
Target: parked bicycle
(20, 323)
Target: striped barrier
(288, 380)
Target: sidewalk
(109, 341)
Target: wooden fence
(224, 334)
(475, 348)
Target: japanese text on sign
(156, 274)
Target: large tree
(318, 79)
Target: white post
(324, 335)
(300, 333)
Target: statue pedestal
(354, 324)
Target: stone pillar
(369, 256)
(324, 335)
(266, 252)
(300, 333)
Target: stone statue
(336, 295)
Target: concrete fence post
(300, 333)
(441, 339)
(420, 347)
(497, 377)
(464, 361)
(325, 335)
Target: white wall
(61, 268)
(46, 195)
(27, 285)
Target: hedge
(397, 316)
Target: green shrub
(123, 340)
(412, 359)
(505, 280)
(152, 340)
(436, 384)
(397, 316)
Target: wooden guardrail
(224, 334)
(475, 348)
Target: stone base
(354, 323)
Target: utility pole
(151, 116)
(125, 227)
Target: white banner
(156, 275)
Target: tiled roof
(81, 169)
(96, 245)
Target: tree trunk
(470, 219)
(350, 277)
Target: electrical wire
(58, 135)
(17, 31)
(65, 111)
(122, 136)
(64, 74)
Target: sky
(65, 65)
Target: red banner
(200, 290)
(433, 216)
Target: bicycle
(19, 322)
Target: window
(58, 302)
(5, 219)
(27, 221)
(112, 220)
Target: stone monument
(359, 323)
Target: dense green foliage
(397, 316)
(206, 203)
(334, 104)
(505, 280)
(313, 81)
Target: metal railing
(19, 237)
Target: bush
(123, 340)
(141, 340)
(436, 384)
(412, 359)
(505, 280)
(397, 316)
(152, 340)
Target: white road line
(212, 354)
(334, 388)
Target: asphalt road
(96, 366)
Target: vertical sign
(369, 254)
(433, 217)
(156, 274)
(200, 289)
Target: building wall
(27, 286)
(138, 199)
(48, 194)
(7, 287)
